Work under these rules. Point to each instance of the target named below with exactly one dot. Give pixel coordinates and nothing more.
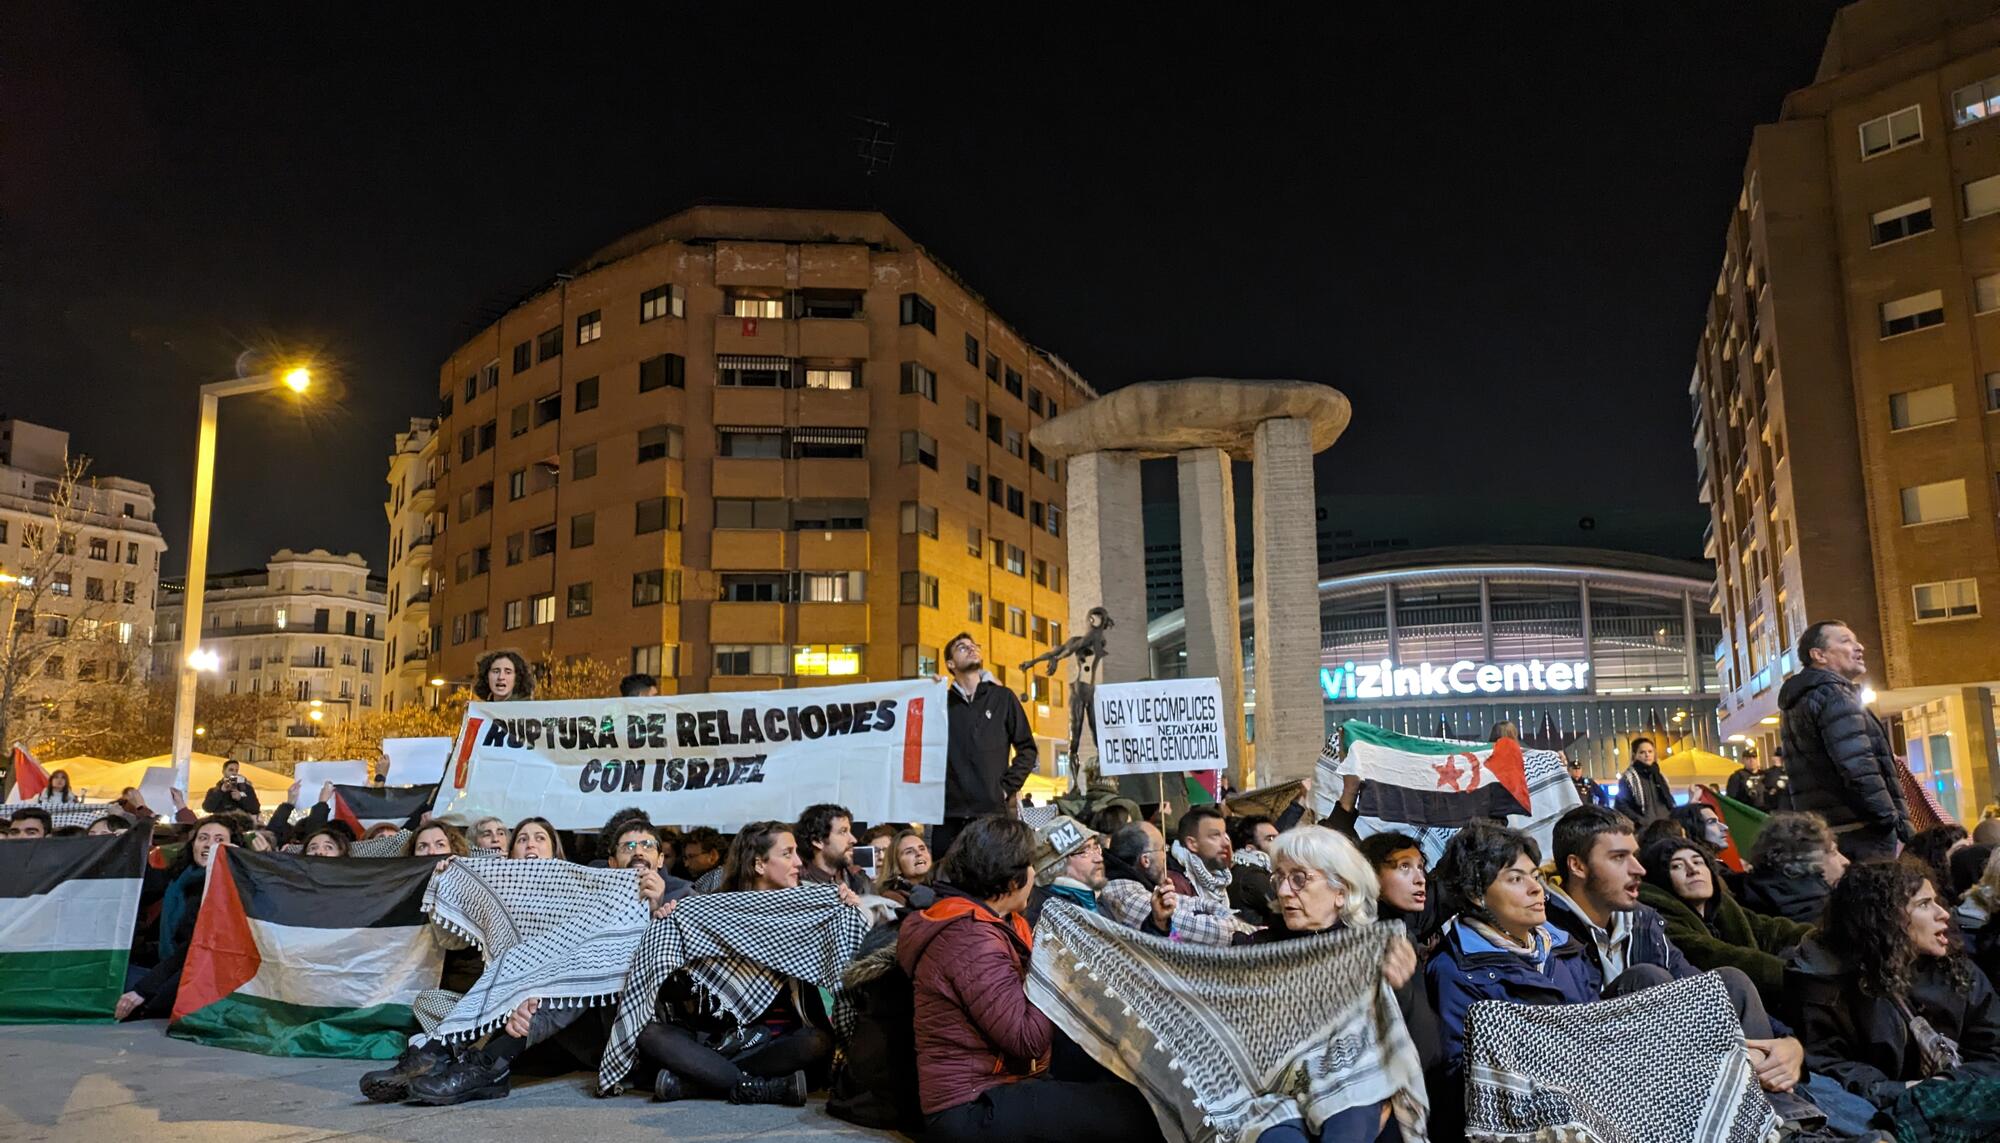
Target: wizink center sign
(1386, 680)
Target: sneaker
(392, 1085)
(668, 1087)
(471, 1076)
(786, 1091)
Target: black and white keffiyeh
(738, 949)
(1665, 1063)
(1228, 1042)
(388, 845)
(553, 930)
(1209, 884)
(62, 815)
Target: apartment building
(1847, 382)
(414, 468)
(749, 448)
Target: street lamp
(437, 692)
(298, 379)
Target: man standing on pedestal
(987, 725)
(1837, 753)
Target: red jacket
(975, 1027)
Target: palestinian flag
(67, 907)
(1429, 782)
(308, 956)
(29, 777)
(362, 808)
(1745, 822)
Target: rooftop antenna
(877, 147)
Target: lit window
(1980, 196)
(1951, 599)
(590, 327)
(659, 302)
(757, 307)
(1891, 132)
(1918, 407)
(543, 607)
(827, 659)
(831, 378)
(1932, 503)
(1975, 101)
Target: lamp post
(297, 380)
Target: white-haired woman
(1322, 883)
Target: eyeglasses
(1296, 880)
(640, 843)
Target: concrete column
(1107, 558)
(1291, 719)
(1977, 763)
(1208, 580)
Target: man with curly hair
(503, 676)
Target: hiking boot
(392, 1085)
(471, 1076)
(786, 1091)
(668, 1087)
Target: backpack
(875, 1084)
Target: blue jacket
(1468, 968)
(1649, 943)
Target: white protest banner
(719, 759)
(414, 761)
(313, 775)
(1159, 726)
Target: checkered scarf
(1665, 1063)
(559, 932)
(1209, 884)
(1228, 1042)
(62, 815)
(389, 845)
(738, 949)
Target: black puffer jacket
(1837, 756)
(1776, 894)
(979, 775)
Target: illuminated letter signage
(1385, 680)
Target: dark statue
(1088, 650)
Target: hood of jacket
(1784, 895)
(1815, 958)
(953, 907)
(1810, 679)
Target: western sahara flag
(308, 956)
(67, 905)
(1426, 782)
(363, 808)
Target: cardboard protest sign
(1160, 725)
(719, 759)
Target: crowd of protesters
(1856, 974)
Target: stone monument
(1204, 423)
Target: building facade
(414, 468)
(1583, 649)
(96, 545)
(308, 625)
(1846, 381)
(747, 449)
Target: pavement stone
(130, 1083)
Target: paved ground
(131, 1084)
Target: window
(1993, 392)
(468, 443)
(919, 519)
(517, 423)
(1041, 573)
(655, 586)
(829, 515)
(583, 529)
(919, 589)
(993, 368)
(831, 587)
(750, 514)
(971, 350)
(1986, 294)
(753, 587)
(1040, 628)
(668, 370)
(920, 448)
(489, 377)
(59, 584)
(659, 442)
(1035, 514)
(975, 607)
(1017, 560)
(759, 443)
(543, 608)
(1900, 222)
(1932, 503)
(1892, 131)
(131, 593)
(831, 377)
(1017, 501)
(999, 552)
(471, 389)
(510, 614)
(482, 499)
(750, 658)
(757, 308)
(1055, 528)
(1951, 599)
(919, 380)
(972, 413)
(1918, 407)
(975, 541)
(590, 327)
(517, 484)
(827, 659)
(996, 429)
(1919, 311)
(541, 541)
(659, 302)
(1013, 383)
(839, 304)
(586, 395)
(524, 356)
(832, 443)
(548, 344)
(915, 310)
(996, 490)
(489, 435)
(1975, 101)
(972, 475)
(1980, 196)
(657, 513)
(548, 409)
(100, 549)
(1014, 442)
(583, 462)
(739, 371)
(1017, 621)
(517, 547)
(920, 661)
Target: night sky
(1495, 234)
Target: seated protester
(1403, 885)
(909, 862)
(1883, 996)
(1794, 865)
(491, 835)
(1701, 823)
(1684, 885)
(151, 992)
(436, 839)
(1250, 840)
(1069, 864)
(383, 829)
(535, 840)
(701, 851)
(881, 837)
(982, 1050)
(615, 824)
(1199, 862)
(109, 824)
(1967, 866)
(1978, 916)
(331, 841)
(765, 1062)
(636, 845)
(70, 831)
(1934, 847)
(1138, 894)
(30, 822)
(826, 840)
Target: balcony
(421, 600)
(833, 337)
(833, 623)
(837, 479)
(746, 623)
(750, 478)
(761, 337)
(747, 549)
(311, 662)
(749, 406)
(832, 551)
